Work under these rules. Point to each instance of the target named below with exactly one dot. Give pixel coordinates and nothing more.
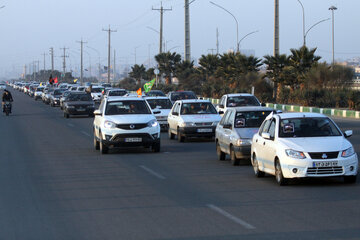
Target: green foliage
(138, 72)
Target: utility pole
(44, 54)
(25, 71)
(276, 29)
(109, 48)
(81, 60)
(34, 70)
(333, 8)
(114, 67)
(52, 59)
(187, 31)
(217, 41)
(64, 61)
(161, 9)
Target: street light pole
(312, 27)
(247, 35)
(303, 11)
(332, 8)
(237, 24)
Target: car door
(98, 118)
(259, 143)
(220, 130)
(269, 148)
(228, 131)
(172, 117)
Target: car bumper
(74, 111)
(242, 151)
(131, 140)
(198, 131)
(300, 168)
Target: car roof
(251, 108)
(156, 97)
(77, 92)
(238, 94)
(299, 115)
(120, 98)
(193, 101)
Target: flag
(139, 93)
(41, 84)
(51, 80)
(75, 80)
(55, 80)
(149, 85)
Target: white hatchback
(162, 104)
(192, 118)
(298, 145)
(125, 122)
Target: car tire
(156, 147)
(96, 142)
(66, 115)
(234, 161)
(257, 171)
(51, 104)
(350, 179)
(279, 175)
(103, 148)
(179, 137)
(220, 154)
(171, 135)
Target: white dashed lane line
(71, 125)
(85, 133)
(230, 216)
(155, 174)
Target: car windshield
(79, 97)
(117, 93)
(155, 94)
(239, 101)
(307, 127)
(127, 107)
(96, 90)
(59, 91)
(182, 95)
(39, 89)
(159, 103)
(81, 89)
(251, 119)
(197, 108)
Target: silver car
(233, 135)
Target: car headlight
(348, 152)
(215, 123)
(109, 124)
(187, 124)
(153, 123)
(295, 154)
(243, 142)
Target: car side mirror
(156, 112)
(175, 113)
(227, 126)
(266, 135)
(221, 112)
(221, 106)
(97, 112)
(348, 133)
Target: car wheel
(350, 179)
(279, 175)
(96, 142)
(179, 137)
(234, 161)
(103, 148)
(171, 135)
(221, 155)
(51, 104)
(257, 171)
(156, 147)
(66, 115)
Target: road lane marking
(85, 133)
(71, 125)
(230, 216)
(152, 172)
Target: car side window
(222, 122)
(222, 101)
(231, 119)
(176, 108)
(265, 127)
(272, 128)
(101, 107)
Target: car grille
(132, 126)
(161, 118)
(203, 124)
(319, 155)
(325, 170)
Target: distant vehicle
(192, 118)
(181, 95)
(2, 86)
(55, 97)
(162, 104)
(125, 122)
(63, 97)
(47, 94)
(237, 100)
(298, 145)
(96, 92)
(105, 85)
(38, 92)
(115, 92)
(155, 93)
(78, 103)
(81, 89)
(233, 135)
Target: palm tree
(167, 64)
(138, 72)
(208, 64)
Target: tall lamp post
(237, 24)
(312, 27)
(303, 11)
(246, 36)
(333, 8)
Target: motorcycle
(7, 108)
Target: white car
(38, 93)
(162, 104)
(237, 100)
(125, 122)
(298, 145)
(192, 118)
(2, 86)
(96, 93)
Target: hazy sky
(30, 27)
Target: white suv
(237, 100)
(125, 122)
(192, 118)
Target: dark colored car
(181, 95)
(78, 103)
(155, 93)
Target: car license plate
(133, 139)
(81, 109)
(204, 130)
(325, 164)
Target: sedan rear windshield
(59, 91)
(250, 119)
(197, 108)
(155, 93)
(308, 127)
(79, 97)
(127, 107)
(96, 90)
(159, 103)
(182, 95)
(117, 93)
(240, 101)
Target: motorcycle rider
(6, 97)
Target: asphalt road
(54, 185)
